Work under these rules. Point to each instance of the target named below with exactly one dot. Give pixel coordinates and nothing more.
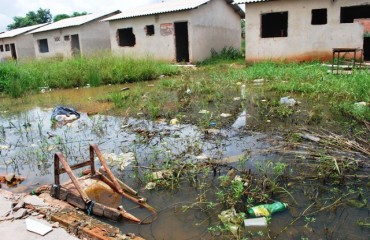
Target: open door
(367, 48)
(75, 45)
(13, 51)
(182, 41)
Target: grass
(18, 79)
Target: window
(149, 30)
(1, 48)
(126, 37)
(348, 14)
(66, 38)
(43, 45)
(7, 47)
(319, 16)
(274, 25)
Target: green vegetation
(17, 79)
(31, 18)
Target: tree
(63, 16)
(60, 17)
(31, 18)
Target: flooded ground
(320, 207)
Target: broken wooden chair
(74, 193)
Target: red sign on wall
(166, 29)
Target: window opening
(149, 30)
(66, 38)
(348, 14)
(7, 47)
(1, 48)
(126, 37)
(57, 39)
(319, 16)
(274, 25)
(43, 45)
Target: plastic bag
(61, 114)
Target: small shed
(305, 29)
(82, 35)
(182, 30)
(14, 44)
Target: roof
(19, 31)
(72, 22)
(250, 1)
(166, 7)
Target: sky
(12, 8)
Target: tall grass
(17, 79)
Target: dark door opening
(367, 49)
(75, 45)
(182, 41)
(13, 51)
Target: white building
(73, 36)
(14, 44)
(305, 29)
(181, 30)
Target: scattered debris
(34, 201)
(64, 114)
(212, 124)
(243, 92)
(4, 147)
(265, 210)
(255, 223)
(188, 91)
(231, 219)
(225, 115)
(11, 179)
(122, 160)
(125, 89)
(288, 101)
(20, 213)
(236, 98)
(5, 206)
(150, 185)
(309, 137)
(259, 80)
(37, 227)
(174, 121)
(162, 174)
(204, 112)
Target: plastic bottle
(266, 210)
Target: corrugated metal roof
(156, 8)
(19, 31)
(250, 1)
(71, 22)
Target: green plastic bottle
(266, 210)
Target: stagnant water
(29, 140)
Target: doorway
(367, 48)
(13, 51)
(182, 42)
(75, 45)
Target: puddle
(28, 141)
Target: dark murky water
(27, 149)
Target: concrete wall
(156, 46)
(93, 37)
(213, 25)
(56, 48)
(23, 46)
(304, 41)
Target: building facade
(16, 44)
(82, 35)
(305, 29)
(177, 31)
